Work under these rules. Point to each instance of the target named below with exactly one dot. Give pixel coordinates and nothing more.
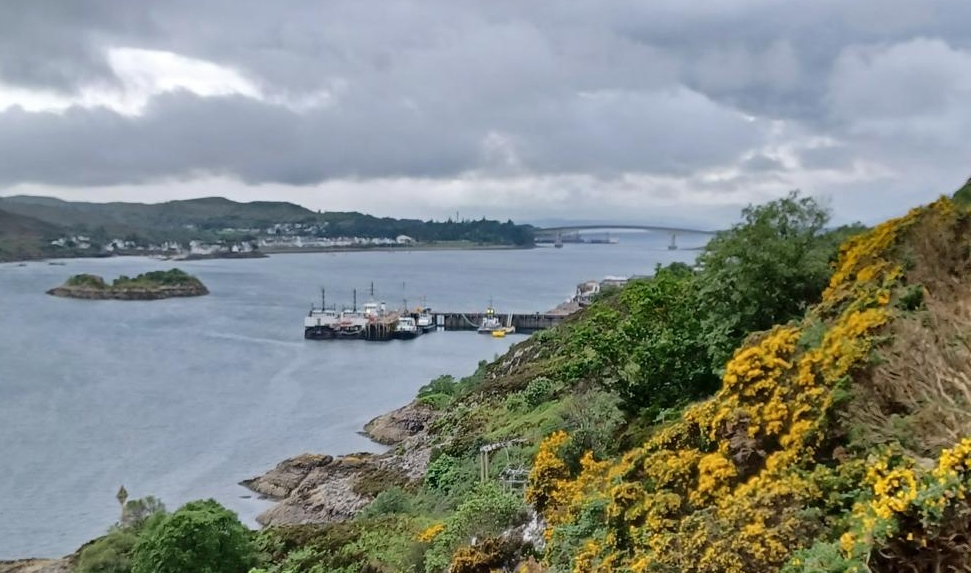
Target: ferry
(351, 324)
(321, 323)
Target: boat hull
(319, 333)
(407, 335)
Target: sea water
(183, 398)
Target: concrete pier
(523, 323)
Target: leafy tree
(763, 271)
(137, 512)
(113, 552)
(202, 536)
(665, 362)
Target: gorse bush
(767, 475)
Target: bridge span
(557, 233)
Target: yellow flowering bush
(750, 480)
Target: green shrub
(201, 536)
(110, 554)
(87, 281)
(485, 512)
(444, 385)
(443, 473)
(436, 401)
(389, 501)
(539, 390)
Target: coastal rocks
(316, 489)
(154, 293)
(36, 566)
(279, 482)
(398, 425)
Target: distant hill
(24, 237)
(217, 219)
(154, 220)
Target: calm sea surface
(183, 398)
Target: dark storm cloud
(59, 45)
(438, 88)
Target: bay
(183, 398)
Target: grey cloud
(437, 88)
(762, 162)
(59, 46)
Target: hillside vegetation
(24, 237)
(801, 403)
(209, 218)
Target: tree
(664, 361)
(202, 536)
(763, 271)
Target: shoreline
(266, 253)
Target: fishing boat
(492, 324)
(406, 328)
(425, 320)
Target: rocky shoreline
(37, 566)
(317, 488)
(153, 293)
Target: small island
(153, 285)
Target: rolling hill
(24, 237)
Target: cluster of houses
(279, 240)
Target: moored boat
(425, 320)
(321, 323)
(406, 328)
(492, 324)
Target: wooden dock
(523, 323)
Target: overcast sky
(653, 111)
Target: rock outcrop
(315, 488)
(36, 566)
(154, 293)
(398, 425)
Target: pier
(523, 323)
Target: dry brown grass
(920, 392)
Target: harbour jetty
(375, 322)
(153, 285)
(524, 323)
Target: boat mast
(355, 300)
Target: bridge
(557, 233)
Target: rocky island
(147, 286)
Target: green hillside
(157, 221)
(210, 218)
(24, 238)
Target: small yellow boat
(498, 333)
